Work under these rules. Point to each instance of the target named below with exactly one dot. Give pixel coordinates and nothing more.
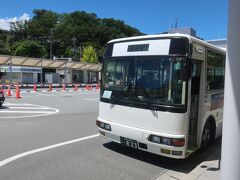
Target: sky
(207, 17)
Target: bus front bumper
(139, 139)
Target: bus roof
(191, 39)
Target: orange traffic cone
(50, 87)
(76, 87)
(18, 93)
(97, 87)
(35, 87)
(9, 91)
(64, 87)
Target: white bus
(162, 93)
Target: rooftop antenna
(176, 23)
(171, 26)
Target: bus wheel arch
(208, 133)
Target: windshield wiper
(149, 100)
(114, 100)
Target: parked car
(2, 98)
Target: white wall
(230, 165)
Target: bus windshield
(157, 80)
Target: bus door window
(195, 90)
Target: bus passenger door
(195, 92)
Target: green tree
(4, 42)
(19, 29)
(29, 49)
(89, 55)
(42, 23)
(67, 32)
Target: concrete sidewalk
(208, 169)
(205, 171)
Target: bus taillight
(178, 142)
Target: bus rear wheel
(206, 136)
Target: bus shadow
(179, 165)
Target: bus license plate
(129, 142)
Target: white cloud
(5, 22)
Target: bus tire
(206, 136)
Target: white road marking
(29, 116)
(24, 107)
(36, 95)
(92, 99)
(55, 93)
(18, 156)
(26, 110)
(17, 104)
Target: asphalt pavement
(64, 144)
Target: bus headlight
(166, 141)
(108, 127)
(103, 125)
(155, 139)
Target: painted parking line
(25, 110)
(18, 156)
(36, 108)
(58, 93)
(17, 104)
(92, 99)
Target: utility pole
(10, 70)
(80, 53)
(231, 118)
(74, 46)
(51, 43)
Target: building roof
(47, 63)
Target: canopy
(47, 63)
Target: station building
(20, 74)
(14, 69)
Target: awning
(47, 63)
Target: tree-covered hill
(66, 33)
